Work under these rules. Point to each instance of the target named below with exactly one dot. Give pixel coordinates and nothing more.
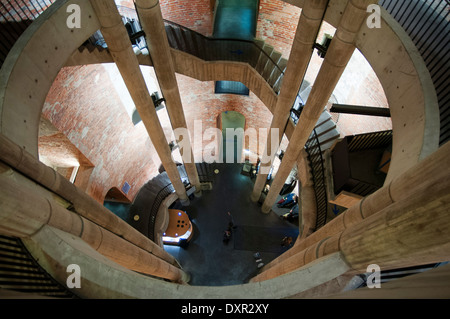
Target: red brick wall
(196, 15)
(200, 103)
(277, 23)
(83, 105)
(193, 14)
(23, 10)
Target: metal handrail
(15, 20)
(226, 39)
(318, 177)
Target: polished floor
(209, 260)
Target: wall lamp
(157, 100)
(322, 48)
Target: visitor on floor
(231, 221)
(288, 201)
(293, 214)
(227, 236)
(287, 241)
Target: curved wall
(407, 84)
(33, 65)
(95, 120)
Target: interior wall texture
(86, 105)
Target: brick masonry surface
(88, 108)
(83, 105)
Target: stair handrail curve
(318, 177)
(226, 39)
(235, 49)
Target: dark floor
(210, 261)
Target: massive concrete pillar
(336, 59)
(26, 207)
(405, 223)
(151, 19)
(119, 45)
(25, 163)
(302, 48)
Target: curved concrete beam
(395, 60)
(38, 56)
(33, 64)
(102, 279)
(406, 82)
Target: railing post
(318, 181)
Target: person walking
(231, 221)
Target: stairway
(15, 18)
(261, 56)
(320, 140)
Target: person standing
(231, 221)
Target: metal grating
(20, 272)
(427, 22)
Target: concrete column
(410, 187)
(84, 205)
(119, 45)
(413, 230)
(302, 48)
(151, 19)
(25, 207)
(336, 59)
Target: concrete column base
(185, 202)
(255, 197)
(198, 193)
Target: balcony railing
(427, 23)
(15, 17)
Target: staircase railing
(15, 17)
(205, 48)
(315, 160)
(211, 49)
(427, 23)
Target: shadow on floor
(210, 261)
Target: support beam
(301, 51)
(339, 53)
(413, 230)
(26, 207)
(25, 163)
(119, 45)
(410, 191)
(360, 110)
(151, 19)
